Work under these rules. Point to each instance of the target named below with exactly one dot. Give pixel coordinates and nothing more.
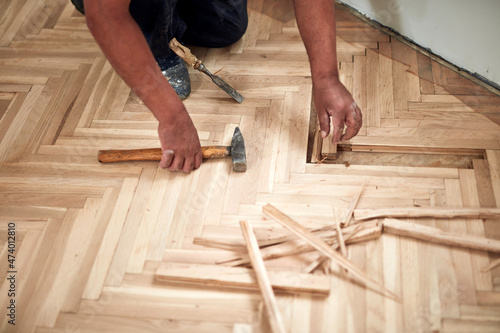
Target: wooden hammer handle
(184, 53)
(154, 154)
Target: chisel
(194, 62)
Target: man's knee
(214, 23)
(236, 31)
(78, 5)
(233, 17)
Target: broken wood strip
(223, 244)
(323, 247)
(367, 232)
(435, 212)
(241, 278)
(271, 305)
(435, 235)
(323, 232)
(348, 218)
(321, 259)
(226, 238)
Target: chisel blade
(194, 62)
(222, 84)
(228, 89)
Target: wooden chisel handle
(154, 154)
(184, 53)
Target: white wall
(464, 32)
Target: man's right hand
(179, 142)
(124, 45)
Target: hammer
(236, 150)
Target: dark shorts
(207, 23)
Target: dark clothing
(207, 23)
(213, 23)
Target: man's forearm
(316, 22)
(124, 45)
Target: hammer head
(238, 153)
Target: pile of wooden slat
(231, 271)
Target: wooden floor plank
(461, 258)
(109, 242)
(10, 113)
(130, 325)
(73, 260)
(44, 284)
(16, 132)
(373, 110)
(24, 263)
(128, 235)
(494, 166)
(470, 197)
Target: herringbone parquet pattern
(89, 237)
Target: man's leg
(157, 19)
(213, 23)
(162, 23)
(159, 22)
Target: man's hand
(316, 22)
(331, 98)
(180, 143)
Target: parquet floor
(89, 237)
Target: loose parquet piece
(240, 278)
(285, 247)
(275, 319)
(435, 235)
(321, 246)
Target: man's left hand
(331, 98)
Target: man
(134, 35)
